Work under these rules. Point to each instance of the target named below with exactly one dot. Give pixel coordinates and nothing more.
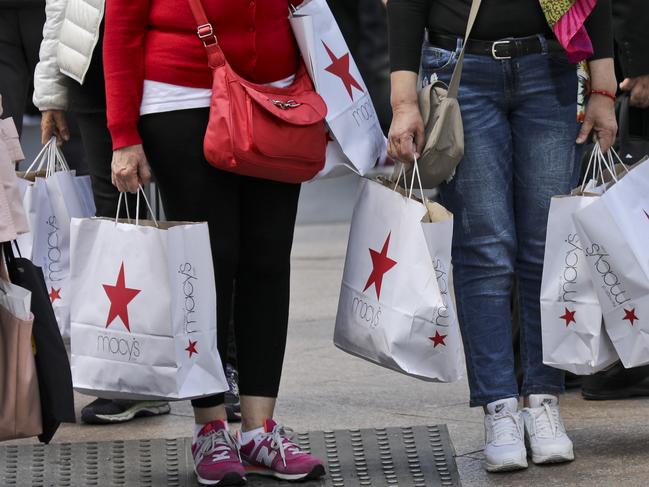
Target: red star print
(630, 316)
(381, 264)
(340, 67)
(569, 316)
(55, 294)
(119, 296)
(191, 348)
(438, 339)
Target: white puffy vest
(78, 37)
(70, 36)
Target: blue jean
(520, 126)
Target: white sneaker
(504, 445)
(544, 430)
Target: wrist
(602, 74)
(604, 93)
(404, 105)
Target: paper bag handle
(140, 191)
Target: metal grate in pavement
(420, 456)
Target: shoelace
(217, 443)
(547, 420)
(280, 440)
(506, 427)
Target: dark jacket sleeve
(347, 14)
(631, 29)
(407, 20)
(599, 26)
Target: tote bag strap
(454, 86)
(204, 28)
(205, 33)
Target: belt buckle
(493, 50)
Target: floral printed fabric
(566, 18)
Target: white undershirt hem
(160, 97)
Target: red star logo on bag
(191, 348)
(569, 316)
(340, 67)
(55, 294)
(119, 296)
(381, 264)
(438, 339)
(630, 316)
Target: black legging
(251, 223)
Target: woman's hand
(638, 87)
(600, 116)
(600, 110)
(407, 130)
(130, 169)
(53, 124)
(406, 133)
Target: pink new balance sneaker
(216, 456)
(272, 453)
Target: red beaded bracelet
(604, 93)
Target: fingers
(627, 84)
(130, 169)
(586, 128)
(53, 124)
(124, 173)
(639, 98)
(401, 148)
(47, 127)
(63, 133)
(419, 140)
(606, 139)
(144, 172)
(125, 180)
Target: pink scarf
(566, 18)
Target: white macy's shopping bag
(574, 338)
(611, 230)
(52, 196)
(396, 305)
(143, 311)
(351, 116)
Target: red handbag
(258, 130)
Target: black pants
(251, 223)
(21, 32)
(98, 149)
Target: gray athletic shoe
(106, 411)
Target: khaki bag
(444, 132)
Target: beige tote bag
(20, 404)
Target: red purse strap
(205, 33)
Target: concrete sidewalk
(324, 388)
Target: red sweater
(156, 40)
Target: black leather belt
(502, 49)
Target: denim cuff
(478, 401)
